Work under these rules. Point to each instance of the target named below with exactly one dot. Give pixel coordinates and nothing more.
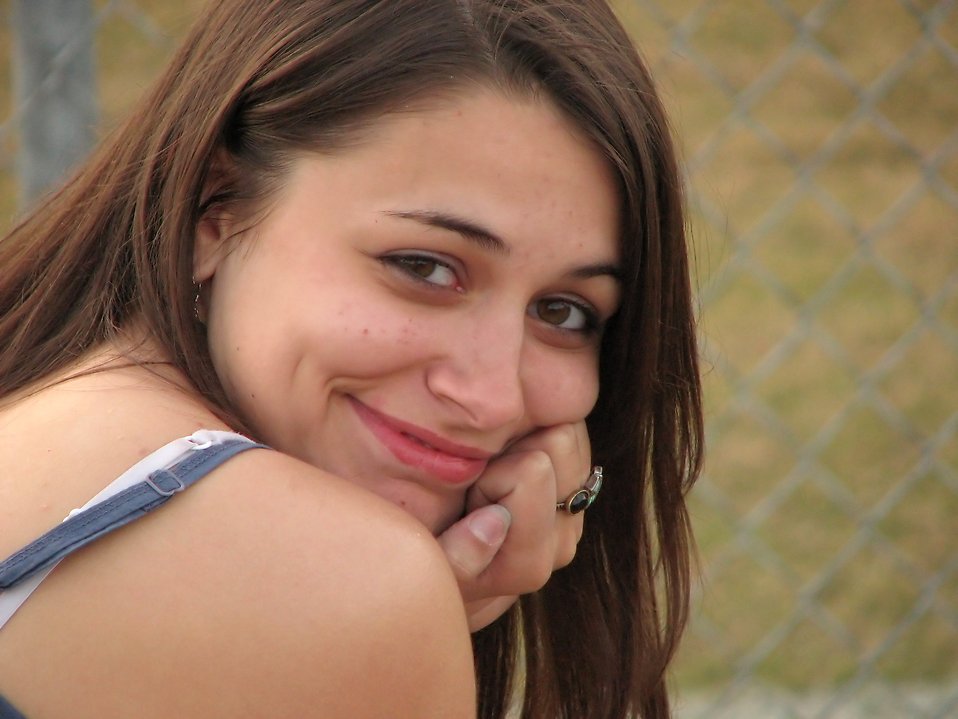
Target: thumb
(472, 543)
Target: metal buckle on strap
(165, 474)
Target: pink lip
(417, 447)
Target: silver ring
(582, 498)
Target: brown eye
(424, 268)
(421, 266)
(553, 311)
(564, 314)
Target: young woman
(431, 257)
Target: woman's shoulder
(323, 595)
(268, 588)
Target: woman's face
(411, 305)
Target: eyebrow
(488, 240)
(600, 270)
(483, 237)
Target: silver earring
(196, 304)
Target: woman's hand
(512, 538)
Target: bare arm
(268, 589)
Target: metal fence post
(54, 88)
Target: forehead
(513, 161)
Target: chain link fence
(821, 141)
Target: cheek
(301, 341)
(561, 389)
(367, 335)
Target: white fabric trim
(163, 458)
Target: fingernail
(490, 524)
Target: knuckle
(539, 578)
(528, 575)
(565, 555)
(562, 441)
(538, 463)
(566, 551)
(568, 435)
(540, 572)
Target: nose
(481, 372)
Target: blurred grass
(825, 216)
(133, 45)
(824, 176)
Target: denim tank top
(148, 484)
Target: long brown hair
(259, 81)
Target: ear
(211, 243)
(215, 228)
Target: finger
(524, 483)
(484, 612)
(528, 472)
(569, 449)
(528, 480)
(471, 543)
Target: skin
(389, 307)
(188, 613)
(346, 300)
(380, 309)
(423, 301)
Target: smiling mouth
(420, 441)
(448, 462)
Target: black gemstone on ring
(578, 502)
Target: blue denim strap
(8, 711)
(117, 511)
